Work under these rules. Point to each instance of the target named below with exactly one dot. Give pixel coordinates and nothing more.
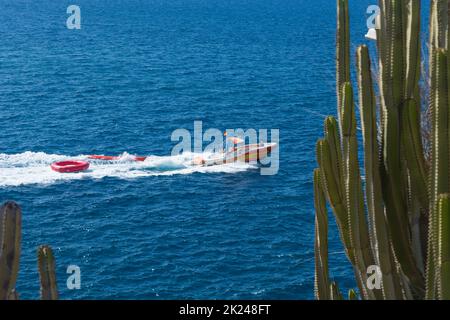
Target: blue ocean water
(135, 72)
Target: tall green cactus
(342, 49)
(381, 221)
(321, 242)
(10, 237)
(47, 273)
(379, 233)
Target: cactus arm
(392, 102)
(392, 55)
(441, 134)
(429, 272)
(369, 132)
(384, 65)
(441, 119)
(418, 174)
(47, 274)
(331, 189)
(394, 174)
(342, 50)
(380, 235)
(443, 254)
(399, 230)
(397, 59)
(321, 241)
(350, 178)
(440, 166)
(412, 142)
(10, 237)
(433, 46)
(412, 39)
(332, 136)
(448, 51)
(443, 213)
(384, 50)
(359, 235)
(329, 179)
(441, 8)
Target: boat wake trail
(34, 168)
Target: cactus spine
(383, 221)
(342, 49)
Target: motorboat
(236, 151)
(250, 153)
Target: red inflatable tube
(70, 166)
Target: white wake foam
(34, 168)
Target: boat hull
(246, 154)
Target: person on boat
(234, 142)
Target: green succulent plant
(10, 239)
(398, 217)
(10, 236)
(47, 273)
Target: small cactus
(321, 242)
(10, 237)
(47, 273)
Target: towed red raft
(111, 158)
(70, 166)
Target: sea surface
(134, 73)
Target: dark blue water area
(135, 72)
